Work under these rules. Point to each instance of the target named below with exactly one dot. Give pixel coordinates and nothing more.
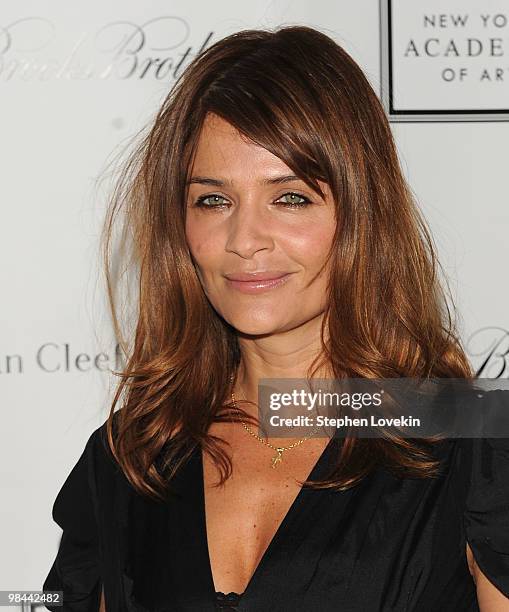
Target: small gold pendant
(277, 458)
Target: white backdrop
(75, 83)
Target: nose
(249, 231)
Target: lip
(261, 275)
(256, 282)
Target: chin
(255, 326)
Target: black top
(228, 601)
(386, 544)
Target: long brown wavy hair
(298, 94)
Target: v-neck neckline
(297, 503)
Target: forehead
(221, 148)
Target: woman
(275, 237)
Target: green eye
(293, 201)
(201, 201)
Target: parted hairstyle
(297, 93)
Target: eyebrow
(277, 180)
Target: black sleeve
(76, 569)
(486, 516)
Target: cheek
(203, 244)
(195, 236)
(309, 243)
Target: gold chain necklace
(278, 457)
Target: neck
(287, 354)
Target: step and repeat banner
(77, 83)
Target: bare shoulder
(490, 598)
(102, 607)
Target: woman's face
(245, 216)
